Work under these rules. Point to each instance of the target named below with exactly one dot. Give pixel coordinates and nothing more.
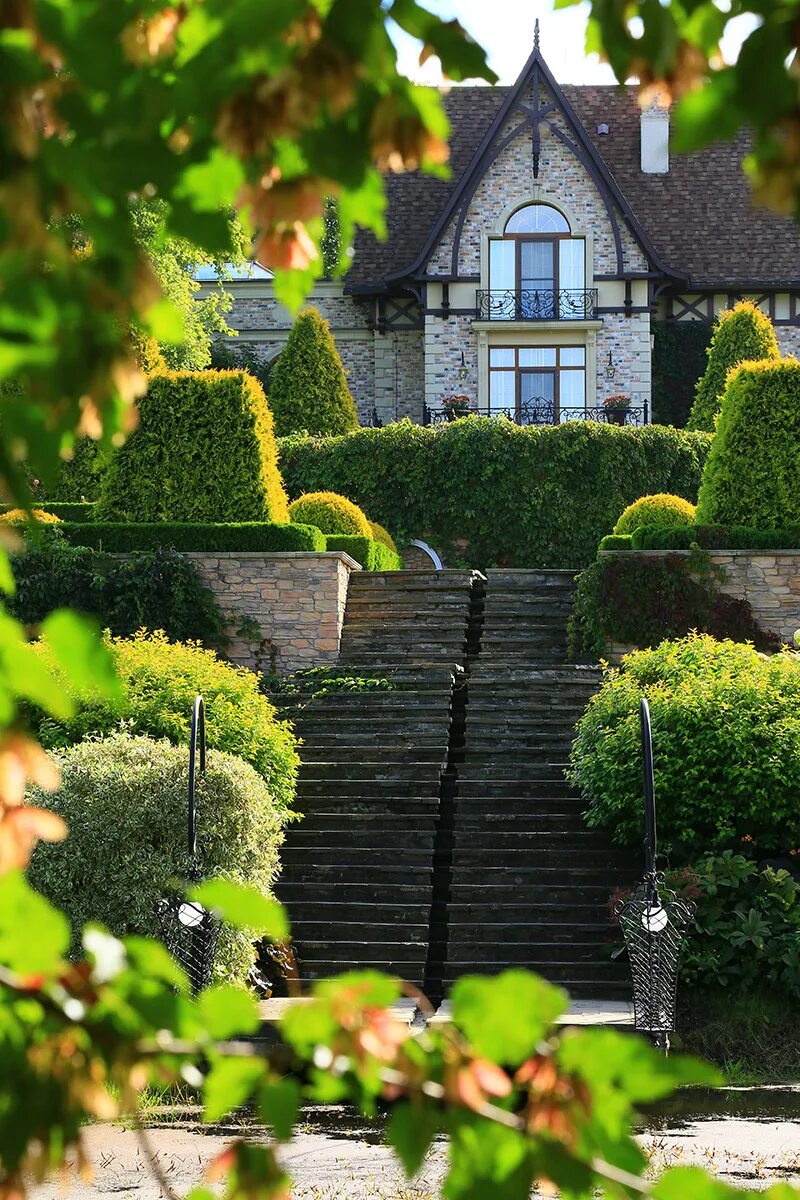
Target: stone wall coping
(310, 556)
(730, 553)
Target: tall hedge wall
(204, 451)
(490, 493)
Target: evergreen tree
(309, 387)
(741, 334)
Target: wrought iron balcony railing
(539, 411)
(523, 304)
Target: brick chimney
(654, 127)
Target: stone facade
(285, 611)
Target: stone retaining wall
(285, 610)
(769, 580)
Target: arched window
(537, 269)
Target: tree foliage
(308, 389)
(741, 334)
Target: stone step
(543, 913)
(357, 912)
(352, 724)
(366, 771)
(534, 950)
(311, 932)
(376, 836)
(362, 858)
(332, 885)
(327, 969)
(424, 747)
(472, 824)
(361, 950)
(369, 791)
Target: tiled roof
(699, 217)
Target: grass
(752, 1036)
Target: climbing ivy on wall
(679, 359)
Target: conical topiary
(741, 334)
(752, 476)
(308, 389)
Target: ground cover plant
(124, 800)
(204, 450)
(741, 334)
(726, 737)
(308, 385)
(159, 680)
(490, 493)
(752, 476)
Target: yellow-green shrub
(662, 509)
(752, 476)
(383, 536)
(308, 387)
(741, 334)
(331, 513)
(18, 516)
(160, 680)
(124, 800)
(204, 451)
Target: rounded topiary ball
(330, 513)
(379, 534)
(662, 509)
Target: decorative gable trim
(533, 115)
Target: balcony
(539, 411)
(515, 304)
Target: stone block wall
(285, 611)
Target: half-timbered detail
(529, 281)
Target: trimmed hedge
(616, 541)
(490, 493)
(679, 359)
(204, 450)
(308, 387)
(712, 537)
(331, 513)
(660, 509)
(726, 729)
(124, 799)
(383, 536)
(372, 555)
(741, 334)
(253, 536)
(66, 510)
(753, 472)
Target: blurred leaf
(77, 648)
(411, 1129)
(505, 1017)
(278, 1104)
(691, 1183)
(243, 907)
(228, 1011)
(228, 1085)
(34, 936)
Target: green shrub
(741, 334)
(308, 388)
(661, 509)
(70, 511)
(372, 555)
(161, 590)
(160, 680)
(752, 476)
(124, 799)
(491, 493)
(613, 541)
(330, 513)
(119, 537)
(20, 516)
(625, 599)
(383, 536)
(80, 478)
(746, 931)
(679, 359)
(726, 739)
(715, 537)
(204, 450)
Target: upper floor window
(537, 269)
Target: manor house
(529, 281)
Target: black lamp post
(653, 920)
(188, 930)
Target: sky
(505, 29)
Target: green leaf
(243, 907)
(78, 650)
(34, 935)
(411, 1129)
(228, 1085)
(691, 1183)
(151, 958)
(278, 1103)
(505, 1017)
(227, 1011)
(7, 583)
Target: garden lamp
(188, 930)
(653, 920)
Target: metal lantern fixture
(611, 370)
(653, 920)
(462, 370)
(188, 930)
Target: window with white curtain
(535, 260)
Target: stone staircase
(529, 882)
(439, 835)
(358, 869)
